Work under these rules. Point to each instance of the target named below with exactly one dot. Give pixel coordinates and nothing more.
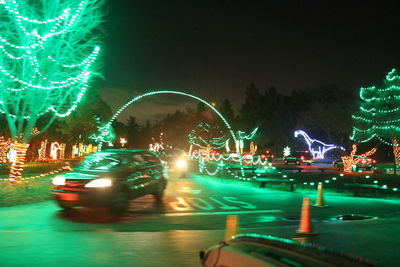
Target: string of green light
(176, 93)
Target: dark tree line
(324, 112)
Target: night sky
(214, 49)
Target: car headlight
(101, 182)
(58, 180)
(181, 163)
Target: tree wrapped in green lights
(207, 137)
(48, 50)
(379, 114)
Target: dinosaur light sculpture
(316, 147)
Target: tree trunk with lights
(17, 165)
(396, 154)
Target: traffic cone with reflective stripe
(320, 197)
(305, 220)
(232, 226)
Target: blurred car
(365, 163)
(111, 178)
(262, 251)
(299, 157)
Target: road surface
(192, 217)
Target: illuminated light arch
(316, 147)
(170, 92)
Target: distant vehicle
(366, 163)
(266, 155)
(299, 157)
(170, 156)
(176, 159)
(111, 178)
(262, 251)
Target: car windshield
(101, 161)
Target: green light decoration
(48, 51)
(206, 136)
(106, 133)
(243, 136)
(160, 92)
(379, 113)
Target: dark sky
(214, 49)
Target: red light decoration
(396, 151)
(349, 161)
(4, 147)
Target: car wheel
(160, 193)
(120, 202)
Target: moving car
(299, 157)
(111, 178)
(262, 251)
(365, 163)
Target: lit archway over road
(139, 97)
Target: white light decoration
(42, 150)
(286, 151)
(122, 141)
(316, 147)
(80, 150)
(57, 150)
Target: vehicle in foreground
(365, 163)
(111, 178)
(261, 251)
(299, 157)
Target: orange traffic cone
(232, 226)
(305, 221)
(320, 197)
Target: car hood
(82, 175)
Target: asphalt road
(192, 217)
